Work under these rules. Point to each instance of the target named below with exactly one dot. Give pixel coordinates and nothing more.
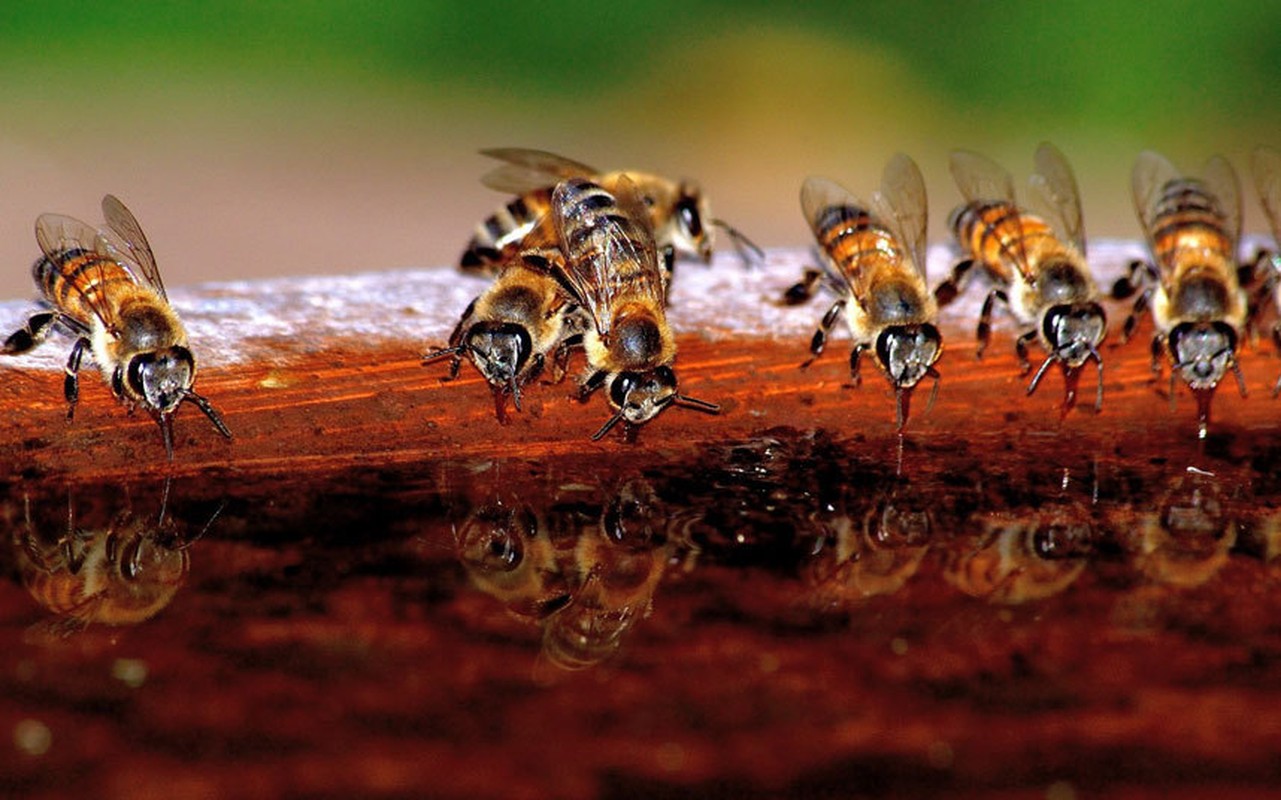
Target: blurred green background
(273, 138)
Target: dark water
(797, 613)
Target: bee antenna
(514, 389)
(1036, 379)
(604, 429)
(1098, 398)
(696, 404)
(165, 421)
(186, 543)
(437, 355)
(204, 405)
(1236, 370)
(934, 393)
(741, 242)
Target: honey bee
(510, 554)
(1184, 537)
(611, 270)
(873, 260)
(120, 574)
(511, 330)
(677, 211)
(1037, 263)
(103, 287)
(1267, 182)
(1017, 558)
(1198, 306)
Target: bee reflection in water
(585, 572)
(110, 567)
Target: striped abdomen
(858, 245)
(603, 243)
(999, 235)
(77, 281)
(498, 238)
(1188, 229)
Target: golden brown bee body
(1192, 227)
(677, 211)
(511, 330)
(119, 575)
(1036, 263)
(1266, 165)
(1016, 559)
(874, 262)
(611, 269)
(103, 287)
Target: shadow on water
(450, 604)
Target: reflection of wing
(60, 237)
(827, 204)
(1221, 180)
(1151, 173)
(607, 250)
(982, 180)
(1055, 195)
(1267, 181)
(901, 203)
(527, 170)
(122, 222)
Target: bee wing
(57, 234)
(526, 170)
(1221, 179)
(1055, 195)
(1152, 171)
(1266, 165)
(609, 236)
(125, 225)
(819, 196)
(902, 204)
(982, 180)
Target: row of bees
(584, 564)
(583, 259)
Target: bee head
(499, 350)
(160, 379)
(1203, 352)
(691, 221)
(639, 396)
(1074, 331)
(906, 352)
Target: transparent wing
(526, 170)
(123, 224)
(902, 205)
(819, 198)
(1221, 179)
(1152, 171)
(1266, 165)
(1055, 195)
(62, 238)
(980, 179)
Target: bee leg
(36, 331)
(535, 368)
(954, 283)
(1276, 340)
(667, 263)
(1132, 321)
(1158, 347)
(1136, 274)
(802, 291)
(1261, 277)
(855, 356)
(594, 381)
(824, 327)
(560, 360)
(1020, 349)
(71, 385)
(984, 332)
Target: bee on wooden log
(677, 211)
(102, 286)
(1192, 227)
(513, 328)
(1036, 263)
(1267, 182)
(610, 268)
(873, 259)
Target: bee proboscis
(610, 267)
(1192, 227)
(1036, 263)
(873, 259)
(678, 213)
(102, 286)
